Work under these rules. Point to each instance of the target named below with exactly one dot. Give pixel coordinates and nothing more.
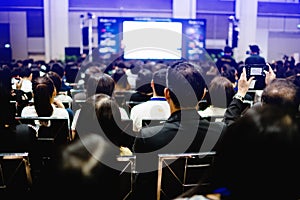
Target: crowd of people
(256, 140)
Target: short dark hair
(159, 79)
(219, 87)
(58, 68)
(254, 48)
(282, 93)
(143, 81)
(227, 49)
(56, 79)
(100, 83)
(185, 83)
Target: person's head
(71, 71)
(89, 72)
(254, 49)
(26, 73)
(282, 93)
(100, 114)
(258, 155)
(143, 81)
(58, 68)
(229, 72)
(159, 81)
(43, 94)
(100, 83)
(56, 79)
(218, 88)
(82, 168)
(120, 78)
(228, 50)
(185, 85)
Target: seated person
(220, 94)
(98, 83)
(45, 104)
(155, 108)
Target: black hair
(159, 79)
(185, 83)
(43, 89)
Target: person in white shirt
(44, 103)
(25, 83)
(220, 94)
(155, 108)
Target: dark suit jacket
(255, 59)
(184, 131)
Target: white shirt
(212, 111)
(26, 85)
(29, 111)
(155, 108)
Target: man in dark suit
(184, 131)
(254, 57)
(255, 60)
(226, 58)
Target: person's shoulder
(28, 111)
(147, 132)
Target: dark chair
(179, 172)
(50, 128)
(51, 135)
(15, 173)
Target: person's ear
(54, 92)
(30, 77)
(204, 93)
(152, 84)
(167, 93)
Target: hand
(124, 151)
(270, 75)
(19, 84)
(58, 103)
(243, 83)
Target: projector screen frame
(111, 43)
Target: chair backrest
(179, 172)
(127, 176)
(49, 140)
(50, 128)
(15, 172)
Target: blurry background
(42, 29)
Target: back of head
(159, 79)
(56, 79)
(257, 158)
(221, 91)
(100, 114)
(100, 83)
(71, 70)
(43, 91)
(81, 168)
(120, 78)
(25, 72)
(58, 68)
(254, 49)
(282, 93)
(185, 83)
(143, 81)
(227, 50)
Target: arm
(270, 75)
(236, 107)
